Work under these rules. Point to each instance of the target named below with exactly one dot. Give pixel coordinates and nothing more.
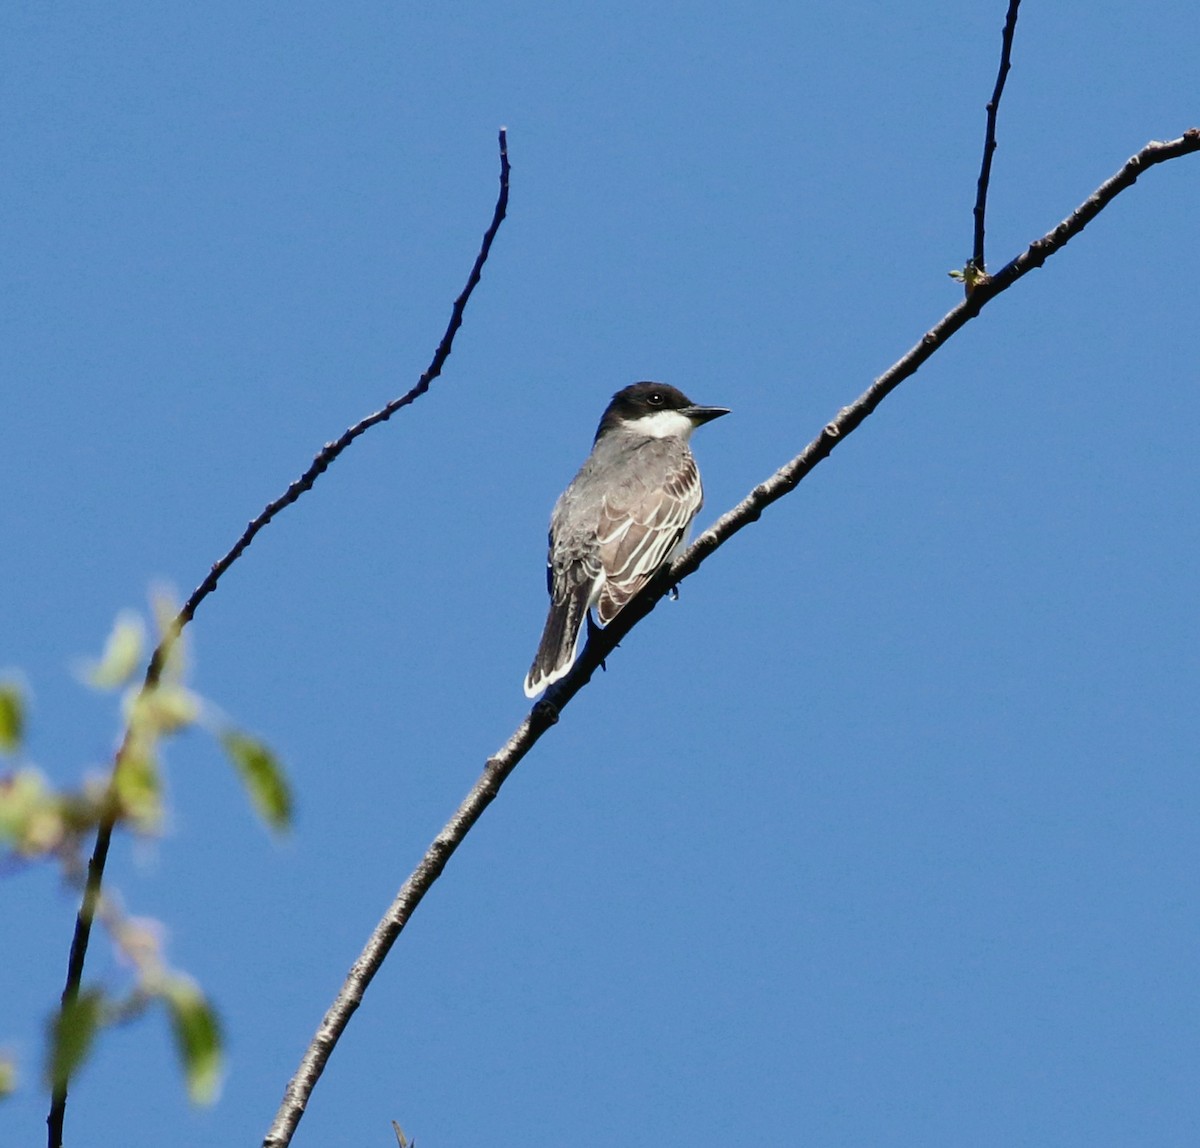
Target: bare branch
(331, 450)
(978, 266)
(602, 643)
(318, 466)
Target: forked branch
(978, 265)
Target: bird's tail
(556, 653)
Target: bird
(624, 517)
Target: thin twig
(602, 643)
(331, 450)
(978, 266)
(322, 461)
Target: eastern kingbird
(623, 518)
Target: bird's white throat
(662, 424)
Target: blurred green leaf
(122, 653)
(164, 708)
(263, 777)
(197, 1038)
(8, 1076)
(139, 789)
(20, 793)
(71, 1033)
(31, 813)
(12, 717)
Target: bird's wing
(638, 531)
(579, 566)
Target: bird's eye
(655, 398)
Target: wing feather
(639, 529)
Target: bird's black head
(650, 405)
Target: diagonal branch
(328, 453)
(977, 265)
(602, 643)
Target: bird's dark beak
(702, 415)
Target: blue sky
(885, 833)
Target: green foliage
(8, 1076)
(970, 276)
(262, 776)
(193, 1020)
(12, 717)
(71, 1033)
(31, 814)
(137, 786)
(38, 821)
(122, 653)
(162, 709)
(197, 1037)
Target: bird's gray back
(622, 468)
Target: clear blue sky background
(887, 832)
